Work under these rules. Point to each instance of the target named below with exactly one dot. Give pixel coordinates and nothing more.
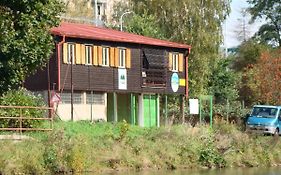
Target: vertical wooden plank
(170, 61)
(99, 55)
(65, 53)
(83, 54)
(111, 57)
(77, 54)
(128, 58)
(180, 62)
(95, 56)
(116, 57)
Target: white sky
(232, 25)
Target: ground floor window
(66, 98)
(95, 98)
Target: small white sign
(122, 79)
(193, 106)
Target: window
(105, 56)
(70, 53)
(88, 54)
(175, 62)
(66, 98)
(122, 58)
(95, 98)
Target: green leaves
(270, 32)
(25, 40)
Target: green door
(150, 110)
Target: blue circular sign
(175, 82)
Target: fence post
(21, 121)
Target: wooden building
(114, 76)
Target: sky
(232, 25)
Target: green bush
(20, 97)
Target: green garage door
(150, 110)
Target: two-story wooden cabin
(114, 76)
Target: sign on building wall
(193, 106)
(175, 82)
(122, 79)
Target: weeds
(82, 146)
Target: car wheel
(276, 132)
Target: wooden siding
(105, 79)
(39, 80)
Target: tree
(244, 60)
(198, 23)
(223, 81)
(267, 77)
(270, 32)
(25, 40)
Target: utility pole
(71, 83)
(96, 12)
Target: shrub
(20, 97)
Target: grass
(83, 146)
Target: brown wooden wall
(98, 78)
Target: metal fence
(21, 118)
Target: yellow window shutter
(95, 55)
(64, 53)
(170, 60)
(116, 57)
(111, 56)
(83, 54)
(77, 59)
(99, 55)
(180, 62)
(128, 58)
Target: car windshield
(264, 112)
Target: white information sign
(122, 79)
(193, 106)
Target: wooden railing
(20, 117)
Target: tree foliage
(267, 77)
(270, 32)
(198, 23)
(25, 40)
(223, 81)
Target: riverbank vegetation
(84, 146)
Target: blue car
(264, 119)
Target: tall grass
(83, 146)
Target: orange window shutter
(65, 53)
(180, 62)
(170, 60)
(83, 54)
(99, 55)
(128, 58)
(77, 54)
(95, 55)
(111, 57)
(116, 57)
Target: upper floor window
(88, 54)
(70, 53)
(175, 62)
(122, 58)
(105, 56)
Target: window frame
(175, 62)
(122, 57)
(70, 46)
(88, 61)
(105, 58)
